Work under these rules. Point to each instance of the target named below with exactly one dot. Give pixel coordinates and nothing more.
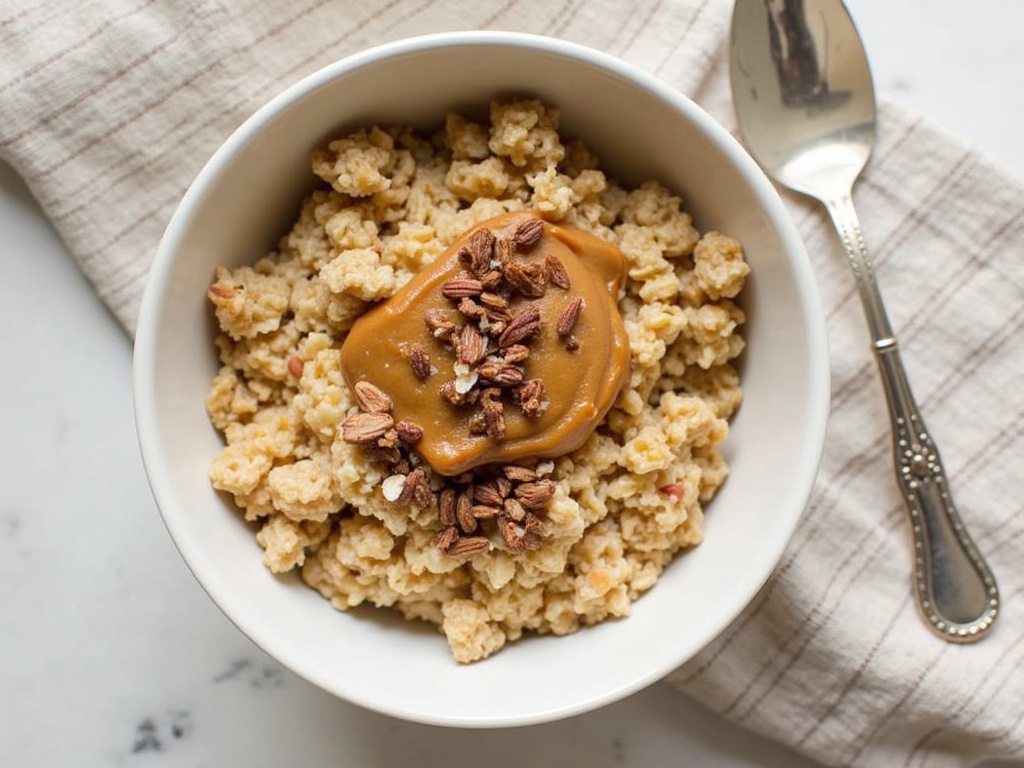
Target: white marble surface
(112, 655)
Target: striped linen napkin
(108, 108)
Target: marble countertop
(113, 655)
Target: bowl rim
(773, 208)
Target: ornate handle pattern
(955, 589)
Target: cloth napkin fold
(108, 109)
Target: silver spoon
(806, 107)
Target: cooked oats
(620, 507)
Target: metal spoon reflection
(805, 102)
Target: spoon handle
(956, 592)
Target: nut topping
(468, 547)
(371, 398)
(531, 523)
(491, 279)
(487, 494)
(408, 431)
(478, 253)
(495, 302)
(446, 537)
(514, 509)
(471, 309)
(363, 428)
(528, 279)
(527, 234)
(438, 322)
(467, 502)
(503, 252)
(494, 418)
(515, 353)
(464, 512)
(471, 346)
(420, 361)
(450, 392)
(484, 511)
(500, 373)
(460, 287)
(417, 489)
(446, 505)
(567, 320)
(477, 424)
(392, 457)
(388, 440)
(555, 272)
(516, 537)
(483, 296)
(532, 398)
(535, 495)
(519, 474)
(503, 485)
(524, 325)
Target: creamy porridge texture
(321, 454)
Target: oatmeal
(478, 382)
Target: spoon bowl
(805, 102)
(809, 94)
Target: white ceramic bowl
(246, 197)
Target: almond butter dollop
(509, 346)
